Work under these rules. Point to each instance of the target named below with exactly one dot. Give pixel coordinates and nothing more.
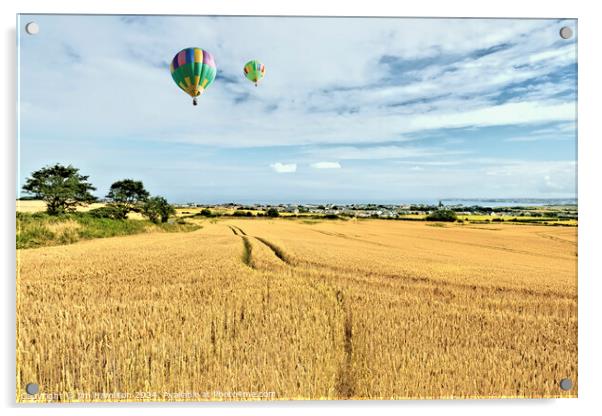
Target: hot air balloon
(193, 69)
(254, 71)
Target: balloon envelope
(193, 69)
(254, 71)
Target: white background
(590, 206)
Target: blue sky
(381, 110)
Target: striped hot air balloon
(193, 69)
(254, 71)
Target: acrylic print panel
(353, 208)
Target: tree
(206, 212)
(272, 212)
(157, 208)
(127, 195)
(108, 211)
(442, 215)
(61, 187)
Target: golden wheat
(333, 309)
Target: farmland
(305, 309)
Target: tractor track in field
(240, 230)
(409, 279)
(344, 385)
(278, 252)
(556, 238)
(348, 237)
(345, 381)
(247, 256)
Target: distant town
(563, 211)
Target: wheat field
(301, 310)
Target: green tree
(127, 195)
(272, 212)
(206, 212)
(157, 209)
(442, 215)
(61, 187)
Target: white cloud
(543, 176)
(337, 97)
(505, 114)
(381, 152)
(560, 131)
(326, 165)
(534, 138)
(284, 167)
(99, 94)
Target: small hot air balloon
(254, 71)
(193, 69)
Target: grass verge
(40, 229)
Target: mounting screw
(32, 388)
(566, 384)
(32, 28)
(566, 32)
